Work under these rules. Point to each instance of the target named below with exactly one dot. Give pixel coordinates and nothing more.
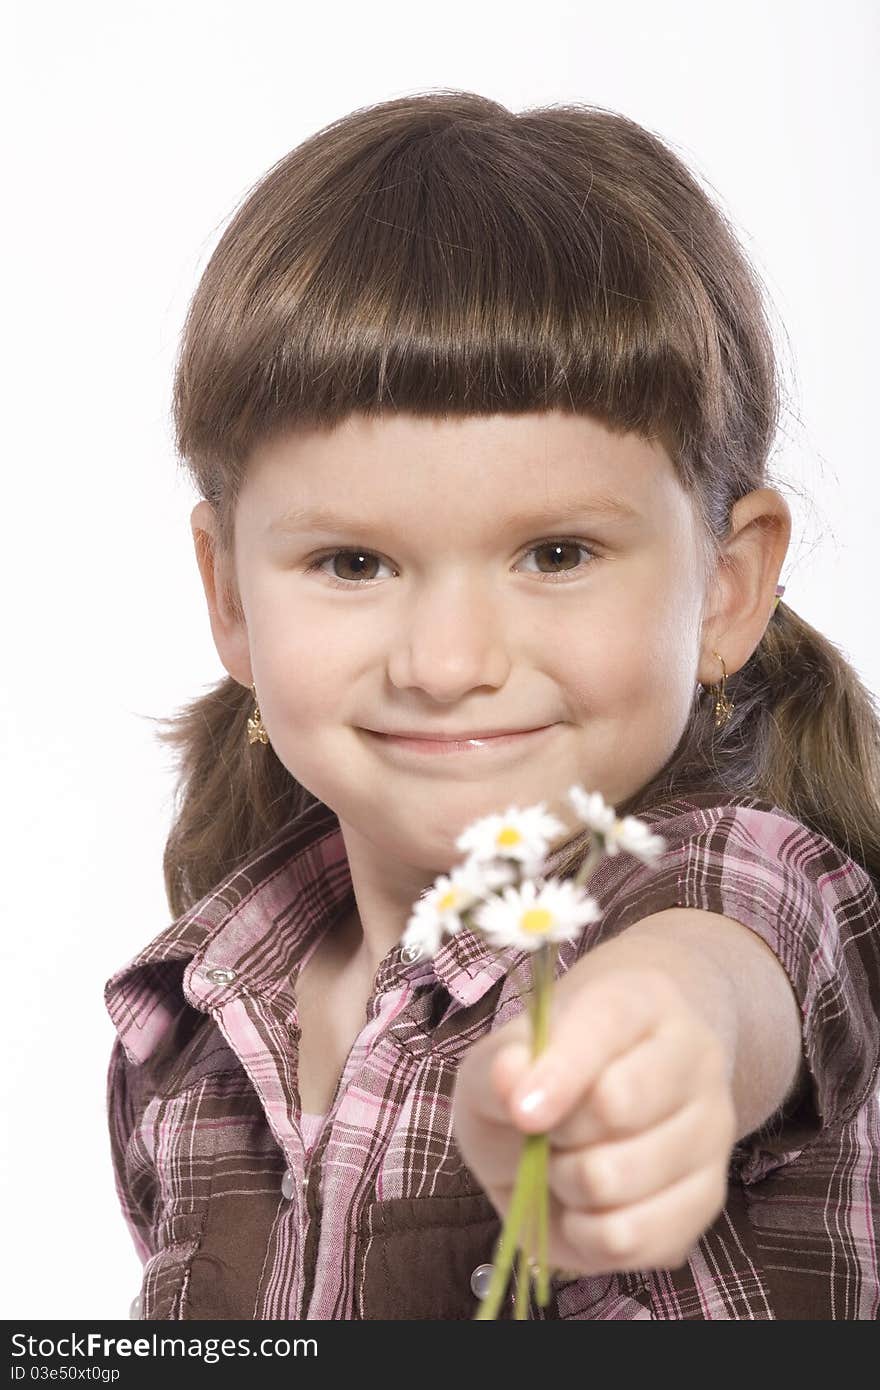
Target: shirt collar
(250, 932)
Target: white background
(132, 132)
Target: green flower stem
(521, 1203)
(521, 1307)
(543, 1221)
(527, 1216)
(589, 864)
(543, 988)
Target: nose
(451, 640)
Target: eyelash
(319, 560)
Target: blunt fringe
(441, 255)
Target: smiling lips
(459, 736)
(458, 743)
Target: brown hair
(441, 255)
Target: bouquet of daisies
(499, 891)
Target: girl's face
(464, 575)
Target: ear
(227, 622)
(745, 582)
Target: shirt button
(221, 977)
(287, 1184)
(134, 1310)
(481, 1279)
(410, 953)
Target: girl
(479, 407)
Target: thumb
(509, 1066)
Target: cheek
(604, 667)
(305, 654)
(299, 694)
(638, 667)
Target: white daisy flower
(423, 934)
(521, 835)
(493, 873)
(528, 916)
(439, 908)
(631, 835)
(635, 837)
(592, 809)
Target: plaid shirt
(231, 1217)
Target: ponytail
(804, 735)
(230, 796)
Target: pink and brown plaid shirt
(232, 1218)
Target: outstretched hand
(638, 1108)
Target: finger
(641, 1088)
(605, 1176)
(589, 1027)
(658, 1233)
(481, 1109)
(481, 1120)
(487, 1078)
(507, 1069)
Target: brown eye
(353, 564)
(349, 567)
(555, 551)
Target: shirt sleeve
(819, 913)
(132, 1175)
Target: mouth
(473, 747)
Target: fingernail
(532, 1099)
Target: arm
(730, 976)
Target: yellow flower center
(537, 921)
(509, 835)
(447, 901)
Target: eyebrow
(602, 505)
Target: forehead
(501, 468)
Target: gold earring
(723, 706)
(256, 729)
